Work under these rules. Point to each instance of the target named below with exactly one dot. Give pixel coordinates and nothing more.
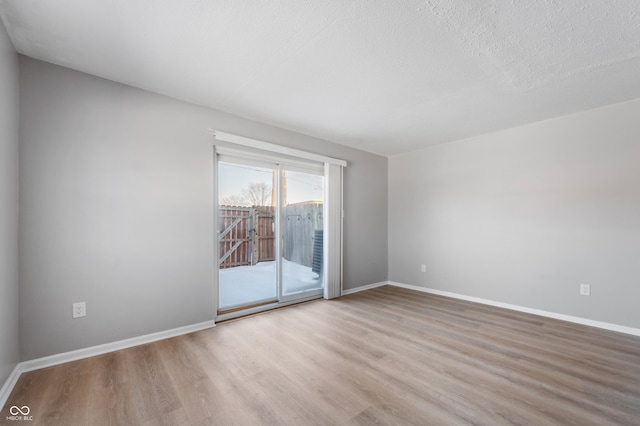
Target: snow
(246, 284)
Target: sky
(233, 178)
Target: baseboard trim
(563, 317)
(363, 288)
(11, 381)
(62, 358)
(48, 361)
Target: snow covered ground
(246, 284)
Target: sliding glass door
(302, 232)
(246, 236)
(270, 233)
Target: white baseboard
(9, 384)
(364, 287)
(48, 361)
(569, 318)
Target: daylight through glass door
(302, 232)
(270, 234)
(246, 236)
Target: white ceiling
(380, 75)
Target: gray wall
(9, 101)
(525, 215)
(116, 209)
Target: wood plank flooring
(383, 356)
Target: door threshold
(262, 307)
(245, 307)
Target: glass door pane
(302, 233)
(246, 235)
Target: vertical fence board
(266, 233)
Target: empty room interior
(324, 212)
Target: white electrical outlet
(423, 268)
(79, 310)
(585, 290)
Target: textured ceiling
(380, 75)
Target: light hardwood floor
(383, 356)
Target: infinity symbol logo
(15, 410)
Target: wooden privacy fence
(300, 222)
(247, 234)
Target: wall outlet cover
(585, 290)
(79, 310)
